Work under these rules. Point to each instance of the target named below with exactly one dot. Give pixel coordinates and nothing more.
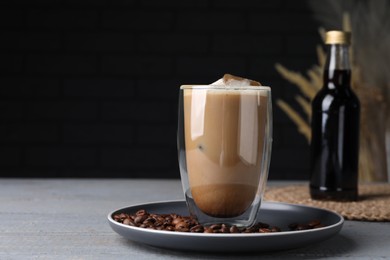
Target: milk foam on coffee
(224, 142)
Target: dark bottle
(335, 127)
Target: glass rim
(224, 87)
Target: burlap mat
(373, 203)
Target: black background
(90, 88)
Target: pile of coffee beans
(311, 225)
(178, 223)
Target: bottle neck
(337, 73)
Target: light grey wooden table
(66, 219)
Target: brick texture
(90, 88)
(21, 87)
(64, 64)
(100, 42)
(95, 88)
(140, 20)
(58, 18)
(98, 134)
(55, 157)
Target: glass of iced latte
(224, 145)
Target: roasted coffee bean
(159, 219)
(319, 226)
(126, 221)
(275, 229)
(314, 223)
(123, 215)
(150, 220)
(176, 220)
(225, 229)
(293, 226)
(170, 228)
(182, 229)
(250, 230)
(158, 224)
(173, 216)
(140, 218)
(215, 226)
(264, 230)
(197, 229)
(181, 225)
(302, 227)
(191, 221)
(234, 229)
(168, 218)
(141, 212)
(208, 230)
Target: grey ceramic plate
(276, 214)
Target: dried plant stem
(303, 126)
(347, 22)
(305, 105)
(322, 33)
(321, 56)
(297, 78)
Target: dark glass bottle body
(335, 132)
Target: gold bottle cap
(338, 37)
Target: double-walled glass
(224, 146)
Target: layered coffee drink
(226, 126)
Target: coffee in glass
(224, 142)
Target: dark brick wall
(89, 88)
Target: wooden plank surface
(67, 219)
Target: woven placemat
(373, 203)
